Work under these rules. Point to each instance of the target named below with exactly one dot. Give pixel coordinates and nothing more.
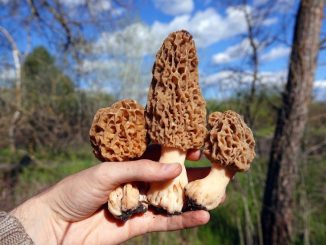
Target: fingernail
(170, 167)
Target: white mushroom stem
(209, 191)
(169, 195)
(124, 198)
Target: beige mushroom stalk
(118, 133)
(230, 147)
(175, 114)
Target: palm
(74, 210)
(100, 227)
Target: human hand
(74, 210)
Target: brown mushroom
(230, 147)
(175, 114)
(118, 133)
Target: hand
(74, 210)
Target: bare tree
(17, 65)
(64, 26)
(259, 39)
(282, 174)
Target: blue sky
(151, 12)
(219, 31)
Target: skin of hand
(74, 210)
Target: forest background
(60, 61)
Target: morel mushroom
(230, 147)
(175, 115)
(118, 133)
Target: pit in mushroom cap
(230, 147)
(175, 114)
(118, 133)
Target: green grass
(245, 189)
(49, 168)
(203, 162)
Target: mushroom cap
(230, 142)
(118, 133)
(176, 110)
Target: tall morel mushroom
(230, 147)
(118, 133)
(175, 114)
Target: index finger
(193, 155)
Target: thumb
(116, 173)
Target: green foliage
(56, 113)
(237, 220)
(39, 60)
(50, 168)
(230, 104)
(265, 112)
(46, 86)
(43, 81)
(220, 229)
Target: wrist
(38, 220)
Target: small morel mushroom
(118, 133)
(175, 115)
(230, 147)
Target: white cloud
(229, 82)
(207, 27)
(320, 84)
(232, 53)
(100, 5)
(94, 5)
(276, 53)
(7, 74)
(138, 39)
(239, 51)
(233, 79)
(135, 40)
(174, 7)
(270, 21)
(225, 84)
(320, 90)
(105, 66)
(73, 2)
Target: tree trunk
(282, 170)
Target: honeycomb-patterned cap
(230, 142)
(176, 110)
(118, 132)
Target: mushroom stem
(169, 195)
(220, 174)
(172, 155)
(207, 193)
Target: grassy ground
(236, 219)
